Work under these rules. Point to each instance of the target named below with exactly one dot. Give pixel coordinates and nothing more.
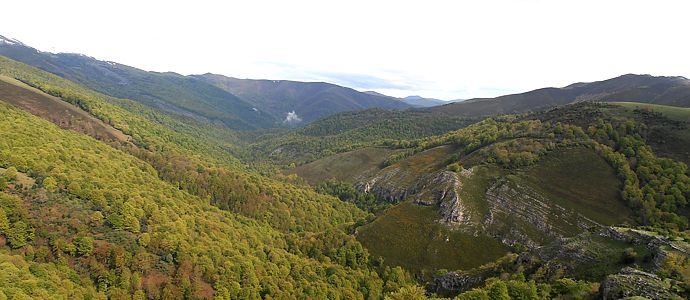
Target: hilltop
(674, 91)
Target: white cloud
(443, 49)
(292, 118)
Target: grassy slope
(672, 112)
(581, 180)
(408, 235)
(406, 172)
(344, 166)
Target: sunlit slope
(346, 166)
(188, 155)
(562, 195)
(89, 190)
(57, 111)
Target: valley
(121, 183)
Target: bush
(474, 294)
(408, 293)
(629, 256)
(84, 245)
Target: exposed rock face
(440, 189)
(453, 282)
(443, 189)
(518, 214)
(585, 249)
(656, 244)
(630, 282)
(384, 185)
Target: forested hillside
(165, 216)
(104, 197)
(546, 186)
(166, 91)
(308, 101)
(349, 131)
(215, 99)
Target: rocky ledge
(635, 283)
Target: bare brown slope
(57, 111)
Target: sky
(440, 49)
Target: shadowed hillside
(309, 100)
(674, 91)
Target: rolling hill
(560, 193)
(420, 101)
(551, 183)
(348, 131)
(307, 100)
(168, 91)
(99, 201)
(235, 103)
(674, 91)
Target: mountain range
(118, 183)
(308, 100)
(419, 101)
(209, 98)
(673, 91)
(251, 104)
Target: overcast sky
(443, 49)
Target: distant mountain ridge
(665, 90)
(418, 101)
(168, 91)
(248, 104)
(427, 102)
(308, 100)
(209, 98)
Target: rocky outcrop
(518, 214)
(630, 283)
(441, 189)
(453, 283)
(385, 185)
(659, 245)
